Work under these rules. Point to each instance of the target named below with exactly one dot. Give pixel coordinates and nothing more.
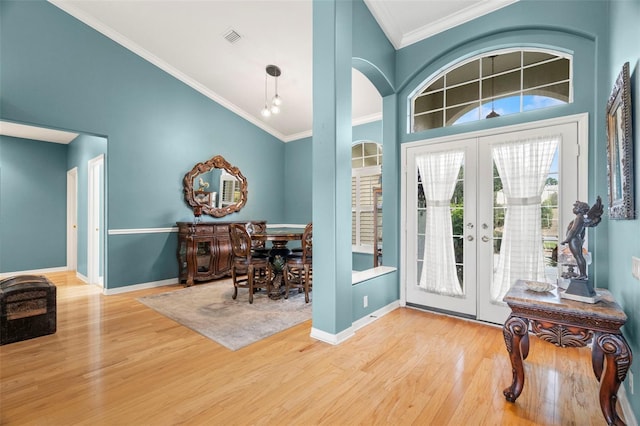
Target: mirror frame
(217, 162)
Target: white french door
(486, 209)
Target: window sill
(360, 276)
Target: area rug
(209, 310)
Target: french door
(484, 210)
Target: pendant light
(273, 107)
(493, 113)
(266, 112)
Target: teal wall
(33, 204)
(82, 149)
(625, 34)
(59, 73)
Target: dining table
(279, 238)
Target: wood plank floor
(113, 361)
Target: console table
(568, 323)
(204, 250)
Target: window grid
(366, 160)
(444, 112)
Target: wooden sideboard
(204, 250)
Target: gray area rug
(210, 310)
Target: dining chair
(258, 246)
(249, 269)
(298, 268)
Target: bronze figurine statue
(585, 217)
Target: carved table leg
(613, 348)
(516, 338)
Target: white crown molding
(381, 13)
(297, 136)
(356, 122)
(148, 56)
(465, 15)
(377, 116)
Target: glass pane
(463, 74)
(463, 94)
(535, 57)
(455, 115)
(503, 106)
(203, 255)
(356, 151)
(501, 63)
(549, 214)
(501, 85)
(420, 250)
(436, 85)
(429, 102)
(356, 163)
(370, 148)
(432, 120)
(544, 74)
(557, 94)
(472, 115)
(370, 161)
(457, 221)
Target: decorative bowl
(539, 287)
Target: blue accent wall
(57, 72)
(33, 204)
(624, 235)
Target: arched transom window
(494, 84)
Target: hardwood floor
(113, 361)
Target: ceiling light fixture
(492, 114)
(275, 72)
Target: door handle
(470, 237)
(485, 238)
(470, 225)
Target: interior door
(486, 253)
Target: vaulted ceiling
(189, 39)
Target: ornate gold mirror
(215, 187)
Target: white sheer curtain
(439, 172)
(523, 167)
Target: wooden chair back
(307, 242)
(240, 241)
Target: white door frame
(582, 123)
(95, 201)
(72, 219)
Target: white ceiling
(36, 133)
(186, 39)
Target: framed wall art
(620, 149)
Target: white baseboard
(362, 322)
(336, 339)
(627, 412)
(141, 286)
(333, 339)
(34, 272)
(82, 278)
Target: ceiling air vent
(231, 36)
